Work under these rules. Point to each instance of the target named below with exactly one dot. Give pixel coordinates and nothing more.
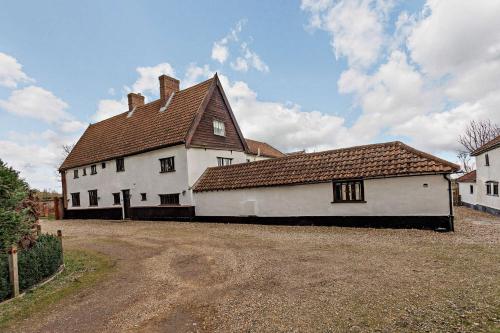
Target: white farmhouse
(183, 157)
(479, 189)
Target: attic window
(120, 164)
(219, 128)
(93, 169)
(75, 173)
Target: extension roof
(492, 144)
(266, 150)
(389, 159)
(469, 177)
(146, 127)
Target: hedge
(34, 264)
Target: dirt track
(176, 277)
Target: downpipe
(451, 224)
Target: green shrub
(40, 261)
(4, 277)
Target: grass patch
(82, 269)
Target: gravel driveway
(190, 277)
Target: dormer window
(219, 128)
(486, 160)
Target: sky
(310, 74)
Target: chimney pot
(168, 85)
(134, 100)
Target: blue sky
(311, 74)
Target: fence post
(59, 235)
(13, 271)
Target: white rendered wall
(141, 175)
(401, 196)
(487, 173)
(465, 195)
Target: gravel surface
(190, 277)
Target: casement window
(221, 161)
(169, 199)
(75, 199)
(103, 165)
(116, 198)
(93, 169)
(84, 171)
(167, 164)
(120, 164)
(93, 198)
(75, 173)
(486, 160)
(492, 188)
(144, 197)
(348, 191)
(219, 128)
(471, 189)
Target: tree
(18, 209)
(477, 133)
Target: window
(219, 128)
(116, 198)
(103, 165)
(486, 160)
(75, 173)
(221, 161)
(93, 169)
(167, 164)
(93, 198)
(169, 199)
(348, 191)
(84, 172)
(75, 199)
(143, 197)
(471, 189)
(492, 188)
(120, 164)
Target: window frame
(115, 202)
(120, 164)
(349, 187)
(103, 165)
(93, 169)
(75, 203)
(75, 174)
(471, 189)
(219, 130)
(84, 171)
(221, 161)
(91, 197)
(144, 197)
(486, 159)
(492, 188)
(164, 164)
(164, 196)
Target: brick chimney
(168, 85)
(134, 100)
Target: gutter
(451, 225)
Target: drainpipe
(451, 226)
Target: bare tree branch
(477, 133)
(465, 160)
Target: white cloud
(286, 126)
(356, 27)
(107, 108)
(194, 73)
(253, 59)
(240, 65)
(148, 83)
(220, 49)
(11, 72)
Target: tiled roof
(487, 146)
(469, 177)
(266, 150)
(146, 129)
(389, 159)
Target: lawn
(192, 277)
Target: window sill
(342, 202)
(167, 171)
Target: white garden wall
(400, 196)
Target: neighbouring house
(184, 157)
(479, 188)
